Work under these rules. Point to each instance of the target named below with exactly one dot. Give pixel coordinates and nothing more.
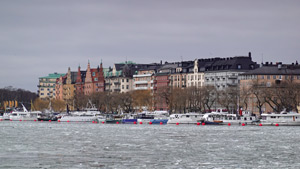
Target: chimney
(267, 64)
(161, 62)
(249, 54)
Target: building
(90, 81)
(46, 87)
(144, 79)
(119, 78)
(65, 87)
(161, 88)
(255, 86)
(224, 72)
(179, 74)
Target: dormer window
(239, 66)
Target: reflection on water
(87, 145)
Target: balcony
(117, 83)
(142, 75)
(141, 88)
(141, 82)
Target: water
(88, 145)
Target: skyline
(42, 37)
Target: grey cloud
(67, 33)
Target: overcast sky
(38, 37)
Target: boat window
(250, 118)
(245, 118)
(195, 116)
(187, 115)
(273, 117)
(264, 117)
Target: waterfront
(88, 145)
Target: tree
(58, 105)
(126, 102)
(40, 104)
(142, 98)
(210, 96)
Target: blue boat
(129, 121)
(158, 121)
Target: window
(262, 76)
(127, 86)
(239, 67)
(94, 74)
(268, 77)
(42, 89)
(96, 79)
(122, 80)
(122, 86)
(127, 80)
(42, 94)
(274, 77)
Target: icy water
(88, 145)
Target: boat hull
(158, 121)
(129, 121)
(78, 119)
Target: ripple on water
(84, 145)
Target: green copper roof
(128, 62)
(53, 76)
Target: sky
(38, 37)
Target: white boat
(188, 118)
(222, 118)
(101, 118)
(146, 116)
(78, 116)
(24, 115)
(282, 119)
(5, 116)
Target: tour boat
(282, 119)
(24, 115)
(223, 118)
(188, 118)
(79, 116)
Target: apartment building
(46, 86)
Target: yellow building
(47, 85)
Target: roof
(53, 76)
(274, 70)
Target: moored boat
(188, 118)
(282, 119)
(79, 117)
(222, 118)
(24, 115)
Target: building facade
(224, 72)
(270, 77)
(46, 86)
